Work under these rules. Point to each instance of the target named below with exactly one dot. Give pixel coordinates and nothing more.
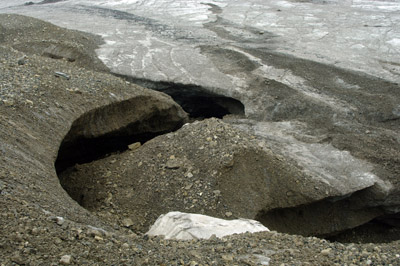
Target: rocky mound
(212, 168)
(52, 103)
(206, 167)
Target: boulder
(187, 226)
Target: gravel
(41, 225)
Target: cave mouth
(378, 230)
(77, 148)
(85, 150)
(112, 128)
(197, 101)
(335, 219)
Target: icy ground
(159, 40)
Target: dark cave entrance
(197, 101)
(111, 129)
(382, 229)
(343, 220)
(85, 150)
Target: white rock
(60, 220)
(134, 146)
(326, 252)
(65, 260)
(186, 226)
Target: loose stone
(326, 252)
(134, 146)
(66, 260)
(127, 222)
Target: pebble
(60, 220)
(228, 214)
(134, 146)
(189, 175)
(93, 231)
(8, 102)
(217, 192)
(127, 222)
(35, 231)
(98, 238)
(61, 74)
(21, 61)
(66, 260)
(173, 164)
(326, 252)
(75, 90)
